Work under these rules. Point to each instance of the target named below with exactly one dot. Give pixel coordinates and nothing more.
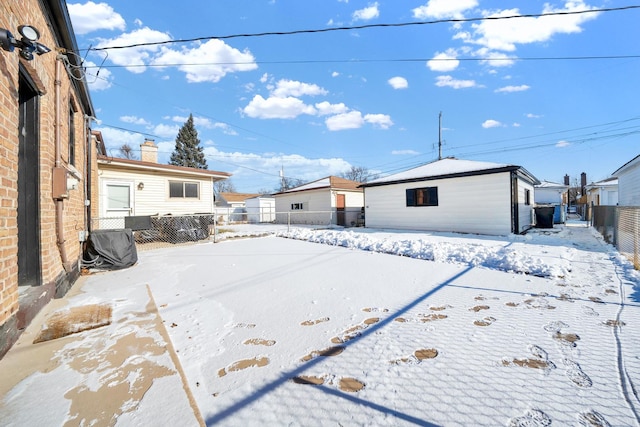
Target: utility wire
(343, 61)
(367, 26)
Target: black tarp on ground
(110, 249)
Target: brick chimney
(583, 182)
(149, 151)
(566, 180)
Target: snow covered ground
(331, 327)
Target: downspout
(58, 163)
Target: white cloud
(335, 74)
(444, 61)
(516, 125)
(533, 116)
(116, 138)
(491, 124)
(520, 88)
(440, 9)
(325, 108)
(277, 108)
(217, 59)
(135, 56)
(134, 120)
(166, 131)
(97, 78)
(294, 165)
(366, 13)
(350, 120)
(494, 59)
(398, 82)
(92, 16)
(285, 88)
(562, 144)
(404, 153)
(505, 34)
(382, 121)
(448, 81)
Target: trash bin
(544, 216)
(559, 215)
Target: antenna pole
(440, 136)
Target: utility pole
(440, 136)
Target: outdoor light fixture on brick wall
(28, 44)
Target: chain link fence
(151, 232)
(620, 226)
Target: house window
(527, 197)
(182, 189)
(427, 196)
(297, 206)
(72, 139)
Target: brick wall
(42, 70)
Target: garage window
(427, 196)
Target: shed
(261, 209)
(629, 182)
(553, 193)
(330, 200)
(453, 195)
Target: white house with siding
(145, 187)
(603, 193)
(330, 200)
(553, 193)
(453, 195)
(629, 183)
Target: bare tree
(126, 152)
(224, 186)
(359, 174)
(288, 183)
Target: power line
(367, 26)
(345, 61)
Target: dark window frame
(72, 135)
(527, 196)
(184, 189)
(420, 197)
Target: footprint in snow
(346, 384)
(576, 375)
(531, 418)
(592, 419)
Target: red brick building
(46, 158)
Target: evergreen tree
(188, 151)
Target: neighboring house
(330, 200)
(231, 207)
(453, 195)
(551, 193)
(145, 187)
(45, 159)
(261, 209)
(603, 192)
(629, 183)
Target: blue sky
(316, 104)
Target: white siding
(154, 198)
(317, 207)
(629, 186)
(476, 204)
(261, 209)
(548, 195)
(525, 212)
